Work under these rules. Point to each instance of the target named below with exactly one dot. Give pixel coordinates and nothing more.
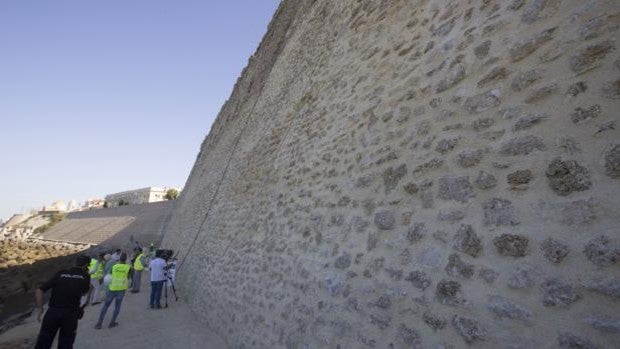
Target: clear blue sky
(98, 97)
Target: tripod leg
(165, 294)
(174, 292)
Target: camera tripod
(169, 283)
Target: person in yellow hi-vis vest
(95, 269)
(116, 290)
(138, 267)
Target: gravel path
(140, 327)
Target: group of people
(75, 288)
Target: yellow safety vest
(92, 265)
(99, 273)
(137, 265)
(119, 277)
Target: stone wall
(403, 174)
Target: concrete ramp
(116, 226)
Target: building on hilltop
(137, 196)
(73, 206)
(91, 204)
(55, 207)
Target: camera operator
(158, 278)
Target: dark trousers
(58, 318)
(136, 280)
(156, 287)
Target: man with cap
(68, 286)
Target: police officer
(67, 286)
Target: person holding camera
(68, 286)
(158, 278)
(116, 291)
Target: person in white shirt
(157, 281)
(116, 256)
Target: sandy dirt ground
(139, 327)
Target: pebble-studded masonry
(414, 174)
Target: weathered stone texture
(604, 324)
(499, 212)
(511, 245)
(558, 293)
(567, 176)
(434, 321)
(522, 145)
(554, 250)
(385, 220)
(529, 120)
(582, 114)
(504, 308)
(408, 174)
(612, 162)
(601, 251)
(448, 292)
(455, 188)
(609, 287)
(485, 180)
(590, 57)
(481, 102)
(466, 241)
(571, 341)
(519, 178)
(469, 329)
(525, 47)
(457, 267)
(525, 79)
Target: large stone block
(455, 188)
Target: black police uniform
(67, 286)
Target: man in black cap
(68, 286)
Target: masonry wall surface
(413, 174)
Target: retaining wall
(413, 174)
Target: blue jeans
(117, 296)
(156, 287)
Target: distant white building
(73, 206)
(56, 207)
(92, 204)
(137, 196)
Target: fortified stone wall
(413, 174)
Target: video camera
(164, 254)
